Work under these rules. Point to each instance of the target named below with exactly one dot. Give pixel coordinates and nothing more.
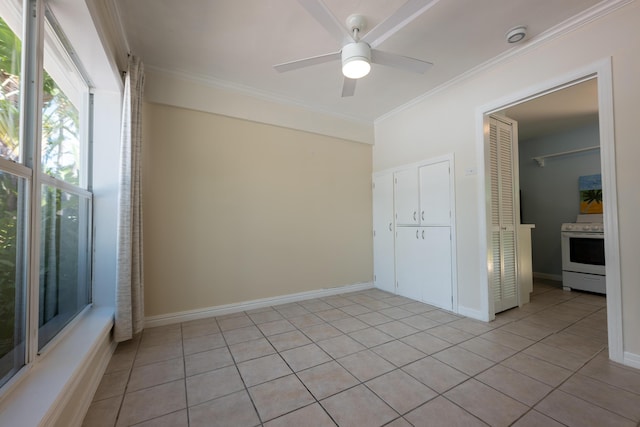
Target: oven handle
(582, 235)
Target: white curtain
(129, 317)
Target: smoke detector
(516, 34)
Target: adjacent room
(319, 212)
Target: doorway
(601, 73)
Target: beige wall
(446, 122)
(236, 210)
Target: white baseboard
(220, 310)
(472, 313)
(555, 277)
(631, 359)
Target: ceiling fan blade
(323, 15)
(307, 62)
(401, 17)
(399, 61)
(348, 87)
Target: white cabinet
(422, 195)
(383, 238)
(503, 274)
(423, 265)
(413, 249)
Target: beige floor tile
(332, 314)
(355, 309)
(247, 333)
(514, 384)
(162, 335)
(528, 330)
(449, 334)
(340, 346)
(365, 365)
(538, 369)
(203, 343)
(337, 301)
(441, 316)
(157, 353)
(375, 304)
(205, 361)
(420, 322)
(508, 339)
(557, 356)
(611, 373)
(397, 329)
(426, 343)
(305, 320)
(251, 349)
(401, 391)
(263, 369)
(399, 422)
(463, 360)
(304, 357)
(350, 324)
(121, 361)
(232, 410)
(398, 353)
(471, 326)
(175, 419)
(155, 374)
(374, 318)
(236, 322)
(152, 402)
(315, 305)
(482, 401)
(418, 307)
(440, 412)
(614, 399)
(572, 411)
(199, 328)
(287, 340)
(536, 419)
(276, 327)
(358, 407)
(291, 310)
(575, 344)
(265, 316)
(370, 337)
(327, 379)
(488, 349)
(309, 416)
(213, 384)
(396, 313)
(102, 413)
(435, 374)
(320, 331)
(278, 397)
(112, 385)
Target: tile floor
(370, 359)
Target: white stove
(583, 258)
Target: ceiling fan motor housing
(356, 60)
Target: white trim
(596, 12)
(430, 161)
(632, 359)
(602, 71)
(547, 276)
(45, 391)
(220, 310)
(473, 313)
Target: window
(44, 199)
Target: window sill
(40, 396)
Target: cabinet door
(383, 250)
(435, 196)
(407, 197)
(409, 274)
(435, 256)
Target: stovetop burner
(591, 223)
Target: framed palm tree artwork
(590, 187)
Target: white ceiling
(235, 43)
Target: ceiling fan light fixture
(356, 60)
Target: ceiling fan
(358, 53)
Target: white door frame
(602, 71)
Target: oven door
(583, 252)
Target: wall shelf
(541, 159)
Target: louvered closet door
(503, 276)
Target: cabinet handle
(422, 215)
(390, 227)
(422, 234)
(414, 215)
(417, 234)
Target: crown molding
(585, 17)
(108, 20)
